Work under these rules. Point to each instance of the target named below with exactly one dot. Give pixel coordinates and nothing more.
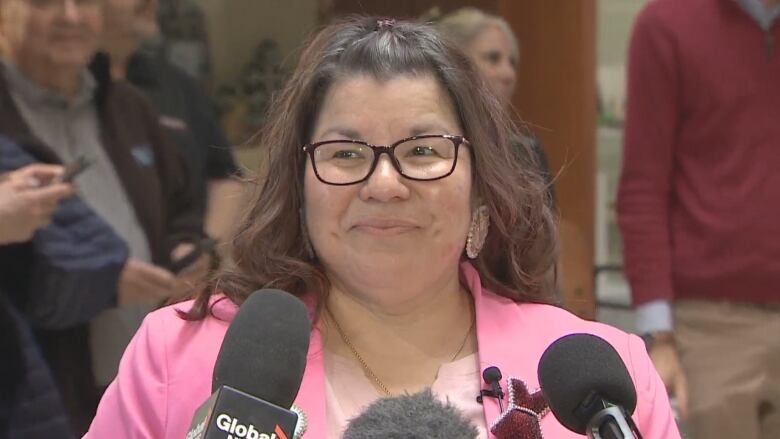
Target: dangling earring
(305, 236)
(480, 222)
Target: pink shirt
(348, 391)
(165, 373)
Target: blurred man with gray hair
(58, 105)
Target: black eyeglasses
(423, 158)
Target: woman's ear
(476, 197)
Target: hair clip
(385, 23)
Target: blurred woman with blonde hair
(490, 43)
(492, 47)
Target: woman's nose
(508, 72)
(385, 183)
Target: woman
(389, 246)
(491, 45)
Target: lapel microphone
(492, 377)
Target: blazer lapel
(504, 340)
(311, 398)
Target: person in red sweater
(699, 207)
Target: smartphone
(73, 169)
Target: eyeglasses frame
(378, 150)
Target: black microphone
(492, 377)
(258, 371)
(418, 416)
(588, 387)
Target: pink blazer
(165, 373)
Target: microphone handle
(612, 423)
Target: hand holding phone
(28, 200)
(73, 169)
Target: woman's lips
(385, 227)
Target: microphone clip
(490, 393)
(492, 377)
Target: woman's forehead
(365, 87)
(415, 103)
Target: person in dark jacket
(186, 113)
(30, 405)
(57, 101)
(76, 255)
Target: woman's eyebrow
(416, 130)
(428, 128)
(342, 132)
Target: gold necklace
(363, 363)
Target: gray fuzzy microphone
(418, 416)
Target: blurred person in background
(58, 105)
(131, 38)
(30, 405)
(491, 45)
(698, 207)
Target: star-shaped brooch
(523, 414)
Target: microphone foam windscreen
(575, 367)
(265, 347)
(418, 416)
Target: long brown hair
(270, 248)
